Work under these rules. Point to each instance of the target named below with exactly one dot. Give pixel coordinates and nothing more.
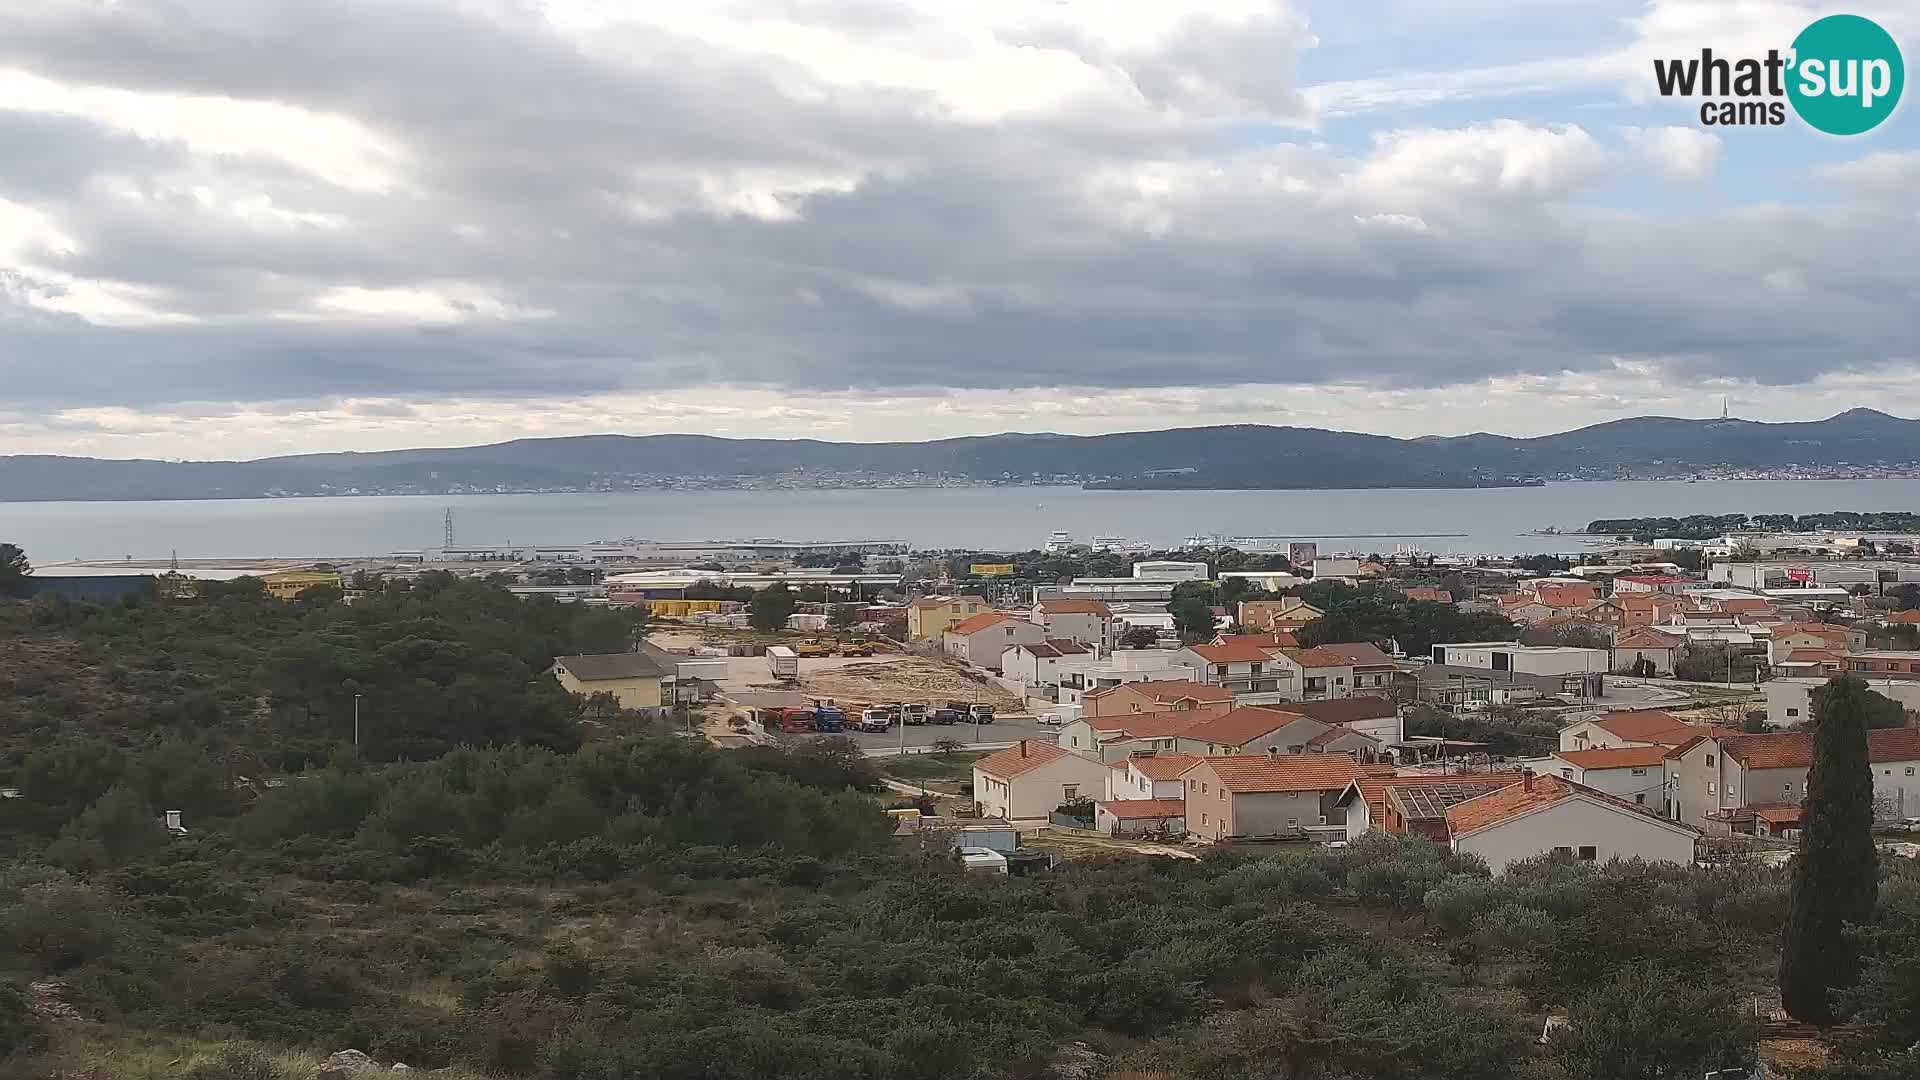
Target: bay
(1482, 521)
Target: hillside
(1241, 456)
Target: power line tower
(447, 537)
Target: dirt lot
(908, 678)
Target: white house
(1029, 779)
(1242, 667)
(1655, 647)
(1636, 727)
(1318, 674)
(1047, 663)
(1790, 700)
(1540, 815)
(983, 639)
(1124, 666)
(1148, 774)
(1633, 773)
(1089, 622)
(1168, 570)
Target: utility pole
(356, 721)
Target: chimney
(1023, 748)
(1526, 779)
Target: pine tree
(1835, 876)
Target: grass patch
(918, 768)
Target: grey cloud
(970, 255)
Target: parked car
(875, 720)
(1048, 719)
(945, 717)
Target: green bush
(21, 1032)
(236, 1063)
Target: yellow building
(287, 584)
(929, 617)
(634, 679)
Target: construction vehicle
(875, 720)
(857, 647)
(813, 649)
(915, 714)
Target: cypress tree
(1835, 875)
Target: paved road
(1002, 732)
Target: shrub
(236, 1063)
(21, 1032)
(61, 924)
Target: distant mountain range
(1241, 456)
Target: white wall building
(1790, 700)
(1167, 570)
(1540, 815)
(1523, 659)
(1046, 663)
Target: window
(1293, 823)
(1909, 770)
(1339, 680)
(1589, 853)
(1567, 851)
(1793, 712)
(1711, 790)
(1568, 773)
(1203, 819)
(1069, 792)
(1639, 772)
(1709, 761)
(1640, 798)
(1203, 789)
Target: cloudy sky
(241, 227)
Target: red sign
(1799, 575)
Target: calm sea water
(1492, 521)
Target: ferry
(1057, 541)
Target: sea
(1494, 521)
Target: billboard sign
(981, 569)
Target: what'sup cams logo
(1843, 75)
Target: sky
(235, 228)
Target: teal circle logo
(1846, 75)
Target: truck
(875, 720)
(812, 648)
(914, 713)
(829, 718)
(783, 662)
(793, 720)
(857, 647)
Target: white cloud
(1682, 153)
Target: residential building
(1331, 567)
(1821, 664)
(1149, 774)
(1242, 667)
(1372, 670)
(1314, 674)
(635, 679)
(983, 639)
(1272, 639)
(1157, 695)
(1047, 663)
(1254, 731)
(1141, 817)
(1901, 618)
(1270, 580)
(1113, 738)
(1262, 796)
(1089, 622)
(1883, 662)
(1030, 779)
(1540, 815)
(928, 617)
(1550, 660)
(1371, 715)
(1790, 698)
(1672, 584)
(1635, 727)
(1634, 773)
(1411, 803)
(1124, 666)
(1825, 637)
(1430, 595)
(1719, 781)
(1657, 649)
(1288, 611)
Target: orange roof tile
(1655, 726)
(1323, 656)
(1357, 653)
(1242, 726)
(1437, 596)
(1161, 764)
(1815, 656)
(1624, 757)
(1373, 789)
(1020, 758)
(1263, 641)
(979, 622)
(1794, 749)
(1903, 617)
(1258, 773)
(1075, 607)
(1149, 725)
(1135, 809)
(1236, 653)
(1337, 711)
(1524, 797)
(1648, 638)
(1165, 690)
(1056, 647)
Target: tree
(1193, 618)
(115, 829)
(771, 607)
(14, 571)
(1643, 1024)
(1835, 872)
(1139, 637)
(844, 615)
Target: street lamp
(356, 721)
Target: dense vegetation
(657, 908)
(260, 682)
(1707, 526)
(1380, 613)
